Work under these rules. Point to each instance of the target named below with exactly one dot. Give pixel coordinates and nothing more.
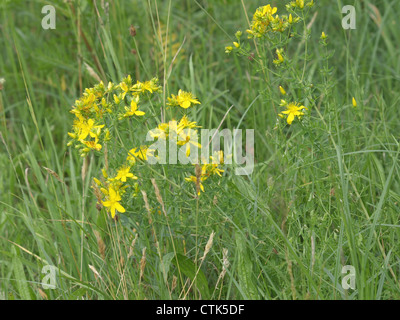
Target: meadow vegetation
(76, 192)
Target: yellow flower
(140, 153)
(93, 145)
(113, 202)
(194, 180)
(211, 169)
(117, 100)
(133, 110)
(300, 4)
(123, 173)
(354, 102)
(217, 157)
(185, 137)
(293, 110)
(150, 86)
(186, 123)
(183, 99)
(323, 36)
(124, 87)
(236, 44)
(85, 128)
(228, 49)
(280, 57)
(262, 18)
(283, 92)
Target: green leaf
(79, 293)
(188, 268)
(245, 268)
(22, 284)
(165, 264)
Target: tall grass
(282, 233)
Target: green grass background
(314, 202)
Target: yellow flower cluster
(91, 109)
(183, 130)
(265, 20)
(98, 113)
(299, 4)
(268, 24)
(113, 188)
(207, 170)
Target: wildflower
(217, 157)
(280, 59)
(323, 36)
(124, 87)
(149, 86)
(300, 4)
(160, 132)
(113, 202)
(140, 153)
(133, 110)
(354, 102)
(110, 86)
(92, 145)
(117, 99)
(107, 136)
(207, 170)
(283, 92)
(228, 49)
(293, 110)
(183, 99)
(236, 44)
(194, 180)
(279, 24)
(85, 128)
(123, 173)
(186, 123)
(188, 137)
(262, 18)
(212, 169)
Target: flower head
(133, 110)
(93, 145)
(293, 110)
(113, 202)
(123, 173)
(142, 153)
(183, 99)
(354, 102)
